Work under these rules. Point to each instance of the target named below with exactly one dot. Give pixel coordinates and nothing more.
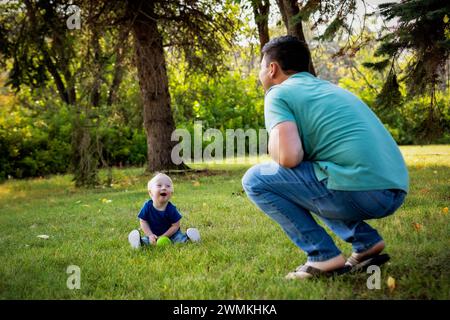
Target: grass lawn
(243, 254)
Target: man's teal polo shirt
(344, 139)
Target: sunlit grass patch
(243, 254)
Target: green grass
(243, 255)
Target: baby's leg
(179, 237)
(145, 240)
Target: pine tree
(422, 30)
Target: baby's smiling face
(161, 189)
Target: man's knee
(251, 178)
(254, 178)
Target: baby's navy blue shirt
(159, 221)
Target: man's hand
(285, 146)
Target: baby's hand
(153, 239)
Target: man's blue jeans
(289, 195)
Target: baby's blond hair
(155, 177)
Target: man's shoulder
(276, 90)
(290, 88)
(277, 96)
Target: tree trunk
(117, 77)
(289, 11)
(120, 53)
(151, 66)
(261, 13)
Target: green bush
(38, 143)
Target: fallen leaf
(196, 183)
(43, 236)
(417, 226)
(77, 202)
(445, 210)
(391, 283)
(104, 200)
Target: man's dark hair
(291, 54)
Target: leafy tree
(45, 53)
(422, 36)
(86, 66)
(335, 15)
(261, 10)
(197, 30)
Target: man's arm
(285, 146)
(148, 232)
(173, 228)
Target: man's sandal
(361, 265)
(316, 273)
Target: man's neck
(282, 77)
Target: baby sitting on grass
(159, 217)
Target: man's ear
(273, 69)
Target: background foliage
(36, 126)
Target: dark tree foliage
(45, 54)
(195, 31)
(422, 30)
(338, 16)
(33, 34)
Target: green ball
(163, 241)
